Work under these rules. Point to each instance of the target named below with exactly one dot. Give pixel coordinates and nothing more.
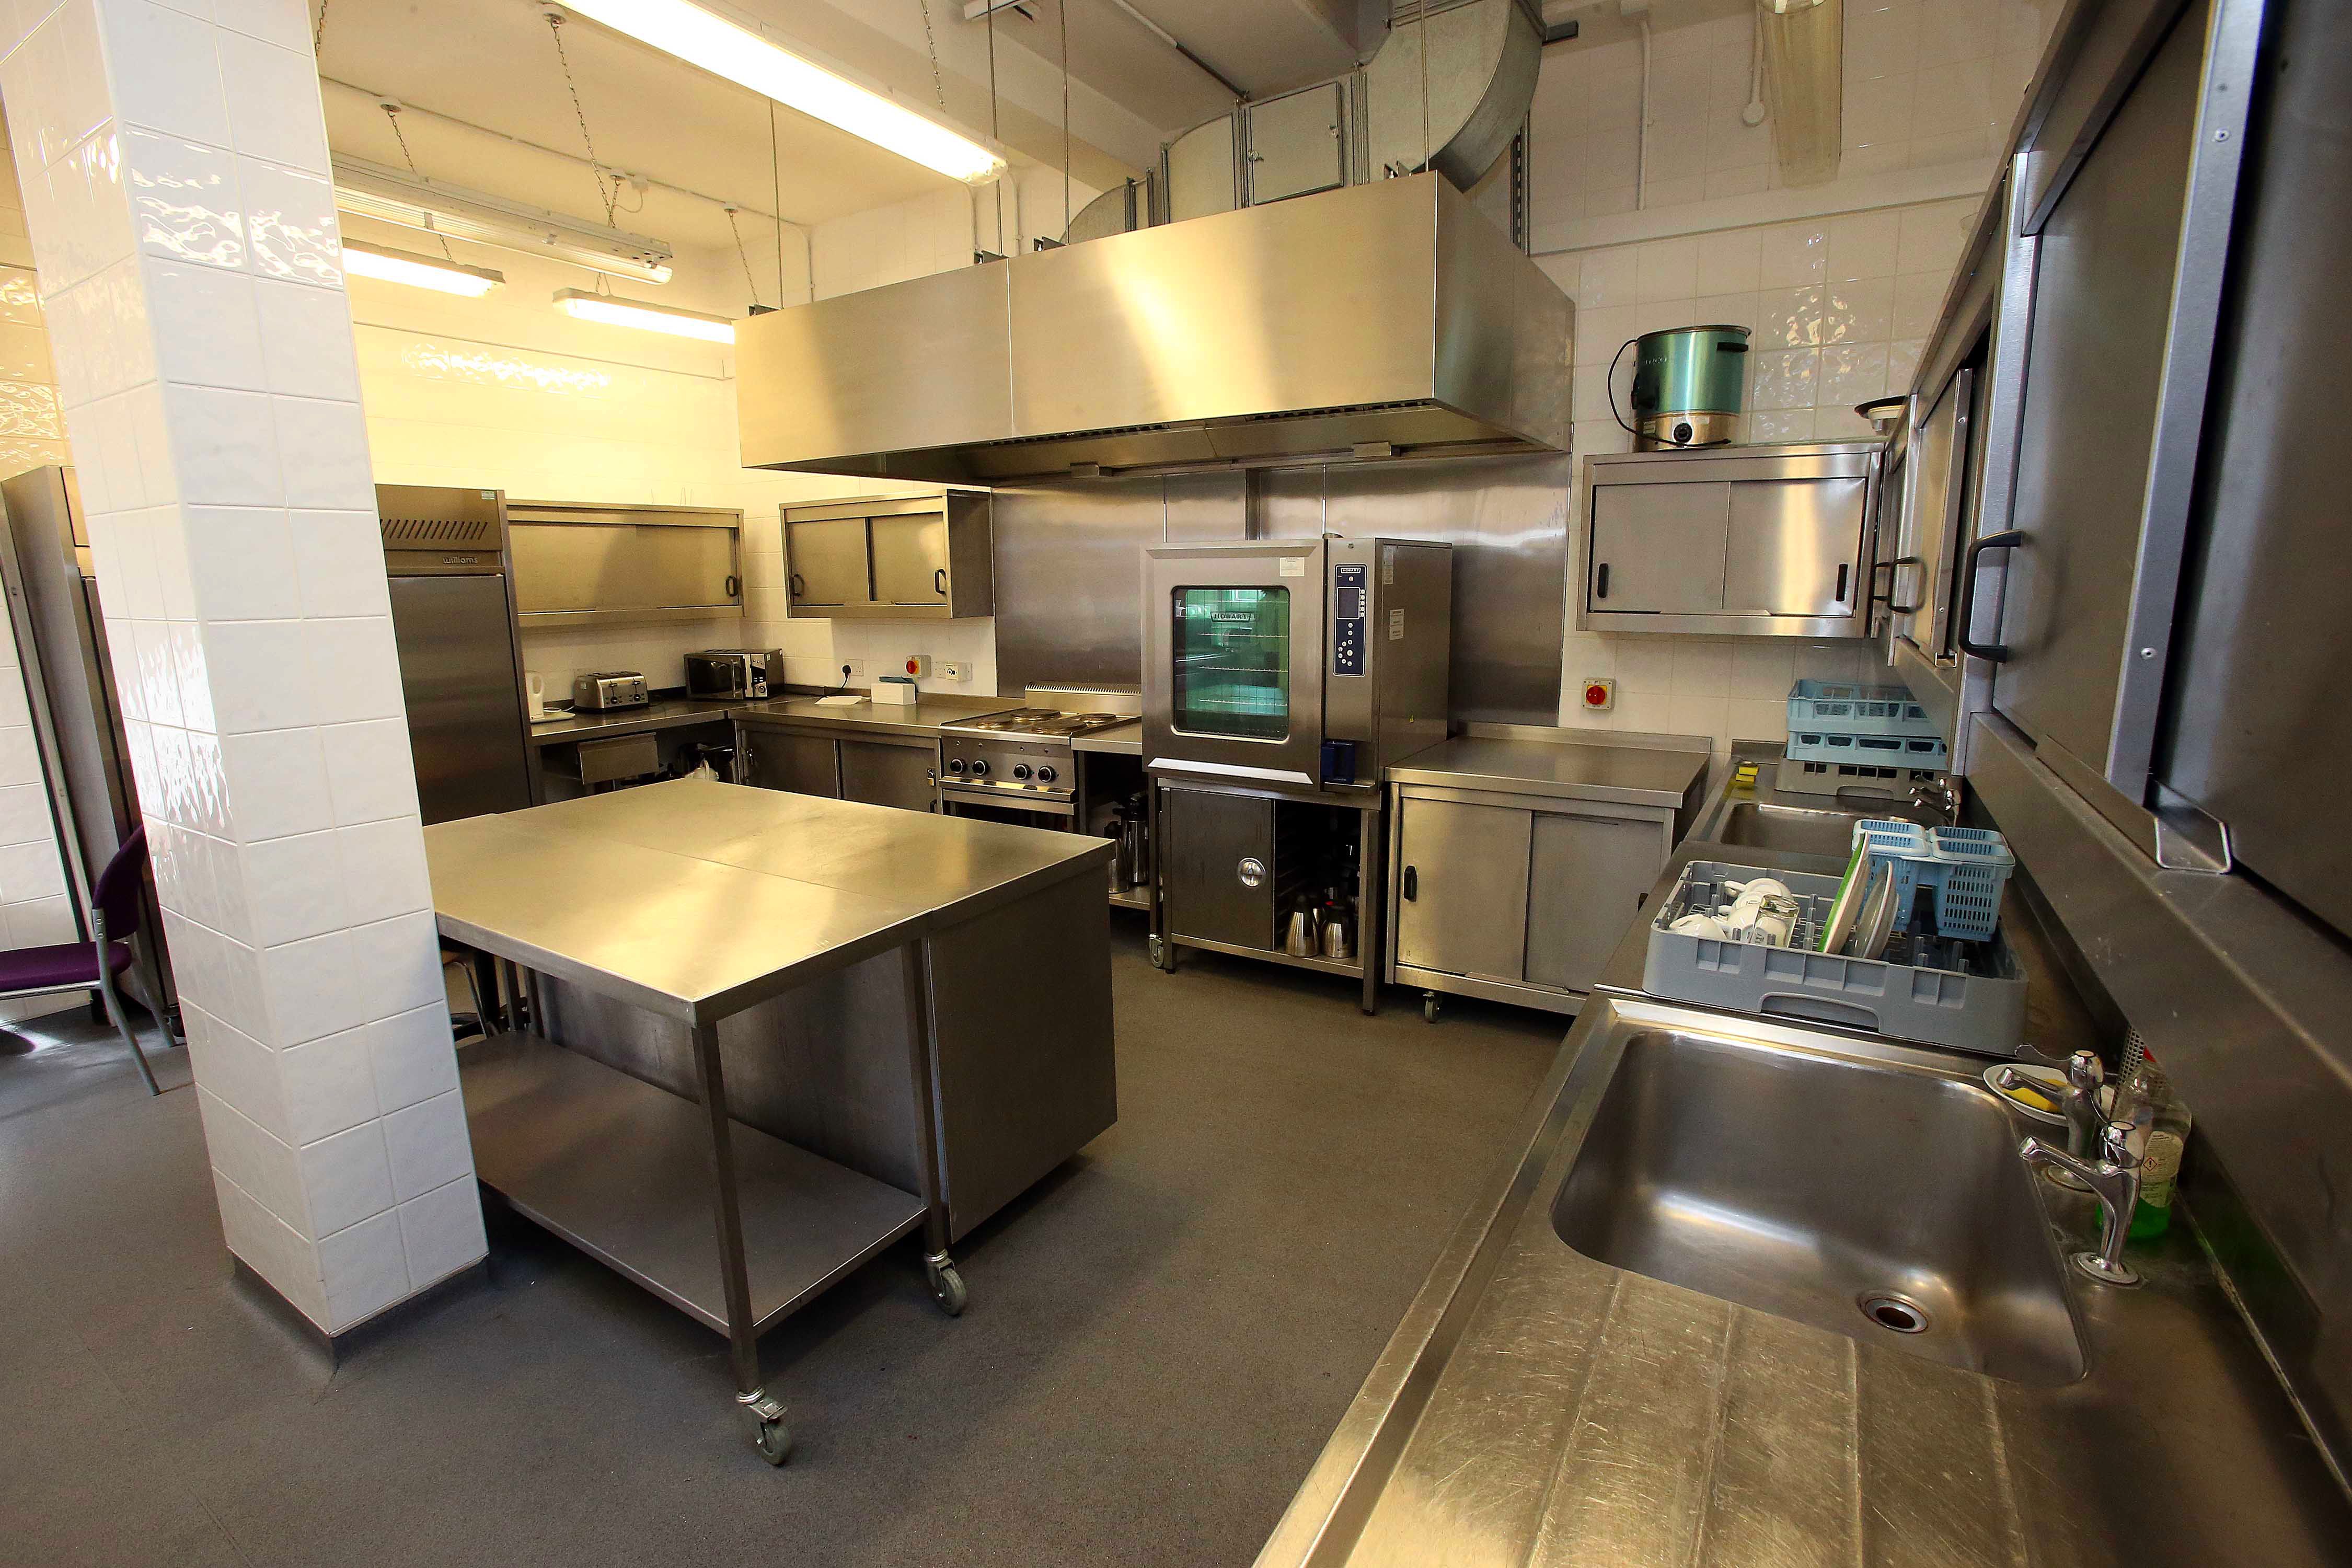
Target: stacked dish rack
(1875, 726)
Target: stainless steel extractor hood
(1379, 320)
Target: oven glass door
(1230, 675)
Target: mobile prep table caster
(947, 1284)
(1429, 1006)
(1158, 949)
(770, 1433)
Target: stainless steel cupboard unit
(912, 558)
(86, 751)
(1756, 542)
(818, 759)
(445, 553)
(578, 565)
(1520, 854)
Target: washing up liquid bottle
(2147, 1098)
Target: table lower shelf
(621, 1171)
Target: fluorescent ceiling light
(364, 260)
(413, 201)
(703, 38)
(648, 318)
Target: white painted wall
(1840, 283)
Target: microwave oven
(734, 672)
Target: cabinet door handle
(798, 587)
(734, 586)
(1842, 569)
(1896, 577)
(1411, 883)
(1993, 652)
(939, 582)
(1875, 596)
(1601, 581)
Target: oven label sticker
(1396, 625)
(1387, 566)
(1294, 566)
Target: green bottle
(2149, 1096)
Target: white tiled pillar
(174, 158)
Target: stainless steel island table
(644, 920)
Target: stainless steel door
(780, 759)
(1233, 660)
(1200, 171)
(1217, 866)
(1463, 900)
(910, 558)
(827, 560)
(465, 722)
(881, 773)
(2102, 305)
(1794, 547)
(1931, 527)
(1658, 548)
(1586, 879)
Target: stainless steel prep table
(870, 965)
(1518, 851)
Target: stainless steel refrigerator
(84, 751)
(454, 617)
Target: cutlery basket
(1968, 997)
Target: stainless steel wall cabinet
(1390, 316)
(581, 565)
(1299, 666)
(1757, 542)
(915, 558)
(454, 618)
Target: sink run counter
(871, 1021)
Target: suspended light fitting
(703, 38)
(419, 201)
(617, 312)
(388, 266)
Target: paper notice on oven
(1294, 566)
(1396, 625)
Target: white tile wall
(188, 249)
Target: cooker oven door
(1021, 810)
(1233, 661)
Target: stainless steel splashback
(1069, 563)
(1378, 320)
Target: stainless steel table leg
(946, 1282)
(1163, 952)
(538, 992)
(770, 1435)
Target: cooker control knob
(955, 764)
(1020, 770)
(980, 767)
(1045, 773)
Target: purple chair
(93, 965)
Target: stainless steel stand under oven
(1281, 677)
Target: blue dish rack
(1965, 867)
(1875, 726)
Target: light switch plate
(954, 671)
(1599, 694)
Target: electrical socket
(950, 671)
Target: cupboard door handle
(1411, 883)
(734, 586)
(1601, 581)
(1993, 652)
(1896, 577)
(1875, 596)
(799, 587)
(1842, 569)
(939, 582)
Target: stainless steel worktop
(1120, 740)
(696, 900)
(1567, 770)
(1539, 1406)
(922, 718)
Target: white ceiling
(488, 106)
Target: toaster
(608, 689)
(734, 672)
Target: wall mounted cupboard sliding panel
(910, 558)
(578, 565)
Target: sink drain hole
(1895, 1312)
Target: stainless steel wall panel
(1070, 579)
(1294, 306)
(1203, 176)
(909, 366)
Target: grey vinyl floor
(1160, 1337)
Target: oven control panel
(1352, 595)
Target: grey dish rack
(1969, 996)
